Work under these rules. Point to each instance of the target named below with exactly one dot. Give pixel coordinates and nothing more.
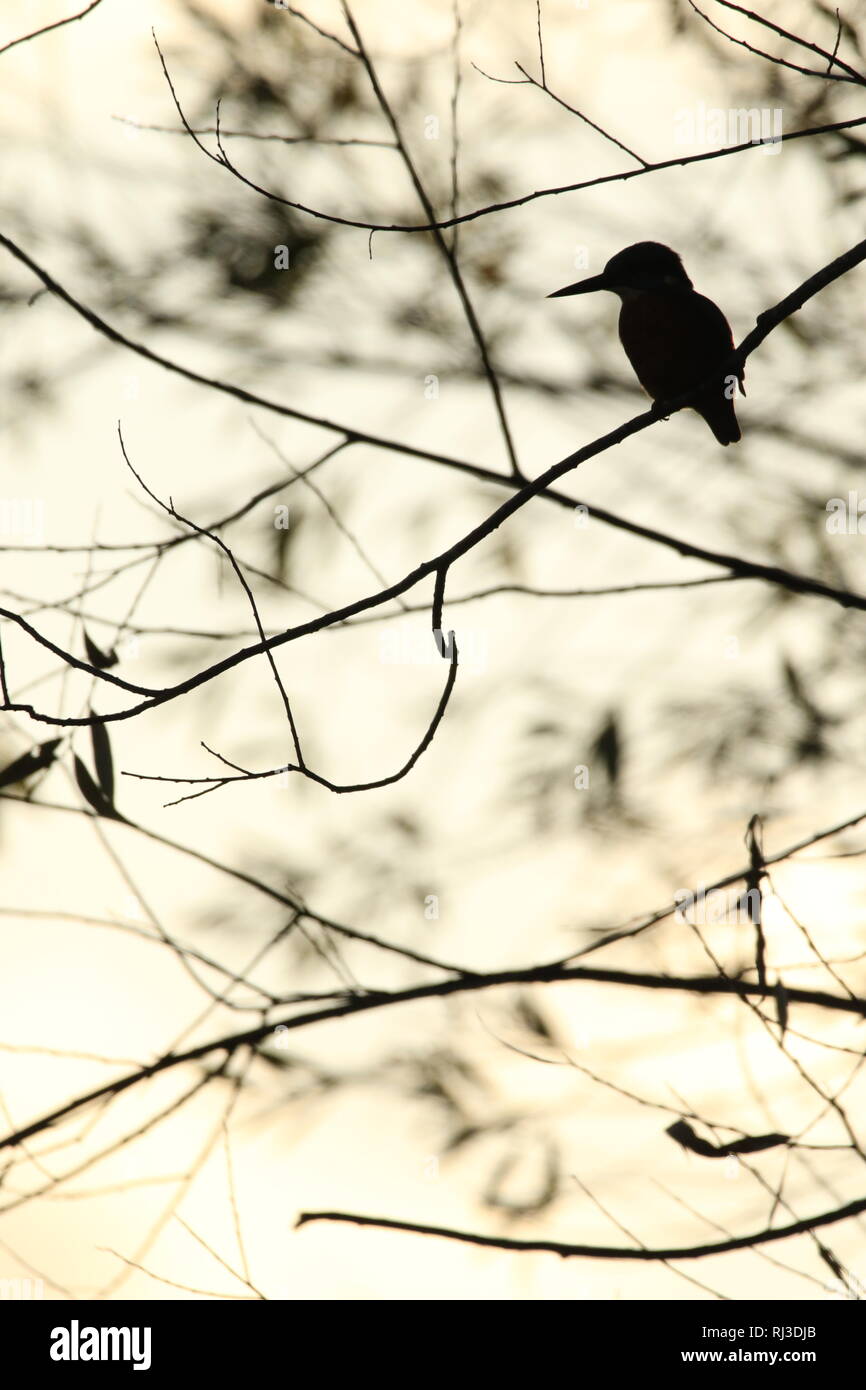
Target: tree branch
(597, 1252)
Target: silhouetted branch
(267, 137)
(597, 1252)
(767, 321)
(851, 74)
(447, 252)
(212, 783)
(323, 33)
(220, 543)
(289, 900)
(727, 881)
(506, 204)
(540, 486)
(701, 985)
(47, 28)
(528, 79)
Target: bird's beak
(595, 282)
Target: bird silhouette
(673, 337)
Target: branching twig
(832, 60)
(701, 985)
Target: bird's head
(648, 266)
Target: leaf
(465, 1135)
(799, 694)
(283, 541)
(831, 1262)
(102, 759)
(781, 998)
(795, 685)
(532, 1019)
(97, 657)
(683, 1133)
(755, 1143)
(608, 747)
(92, 794)
(42, 755)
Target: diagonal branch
(767, 321)
(832, 58)
(744, 569)
(47, 28)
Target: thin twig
(455, 129)
(218, 541)
(828, 75)
(447, 253)
(47, 28)
(267, 136)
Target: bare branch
(832, 59)
(597, 1252)
(268, 137)
(47, 28)
(442, 224)
(447, 252)
(218, 541)
(702, 985)
(213, 783)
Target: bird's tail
(718, 411)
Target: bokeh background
(692, 708)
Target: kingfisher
(673, 337)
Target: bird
(673, 337)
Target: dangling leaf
(102, 759)
(683, 1133)
(794, 682)
(831, 1262)
(531, 1019)
(608, 747)
(41, 756)
(781, 998)
(96, 656)
(756, 1143)
(92, 794)
(754, 879)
